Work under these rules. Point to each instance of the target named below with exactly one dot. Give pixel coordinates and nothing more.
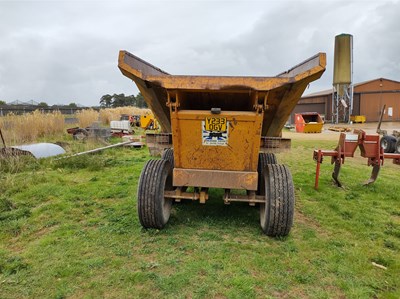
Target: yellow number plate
(216, 124)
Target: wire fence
(21, 110)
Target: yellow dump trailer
(224, 130)
(358, 118)
(308, 122)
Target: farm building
(368, 100)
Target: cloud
(66, 51)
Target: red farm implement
(369, 146)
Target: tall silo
(342, 97)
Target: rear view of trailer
(223, 129)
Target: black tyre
(397, 147)
(168, 154)
(81, 134)
(153, 208)
(263, 160)
(267, 158)
(388, 143)
(276, 215)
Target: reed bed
(18, 129)
(87, 117)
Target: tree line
(40, 105)
(108, 101)
(120, 100)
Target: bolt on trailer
(225, 131)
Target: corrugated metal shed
(369, 98)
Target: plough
(369, 146)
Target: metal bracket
(178, 195)
(250, 198)
(173, 102)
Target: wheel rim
(167, 202)
(263, 216)
(80, 136)
(264, 206)
(384, 144)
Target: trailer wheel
(276, 215)
(388, 143)
(168, 154)
(263, 160)
(80, 134)
(153, 208)
(267, 158)
(398, 146)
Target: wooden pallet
(339, 129)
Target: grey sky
(66, 51)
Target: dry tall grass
(87, 117)
(18, 129)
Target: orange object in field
(308, 122)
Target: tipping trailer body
(218, 124)
(280, 93)
(251, 106)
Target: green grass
(69, 228)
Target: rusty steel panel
(215, 179)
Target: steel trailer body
(218, 125)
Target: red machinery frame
(369, 146)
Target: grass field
(69, 229)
